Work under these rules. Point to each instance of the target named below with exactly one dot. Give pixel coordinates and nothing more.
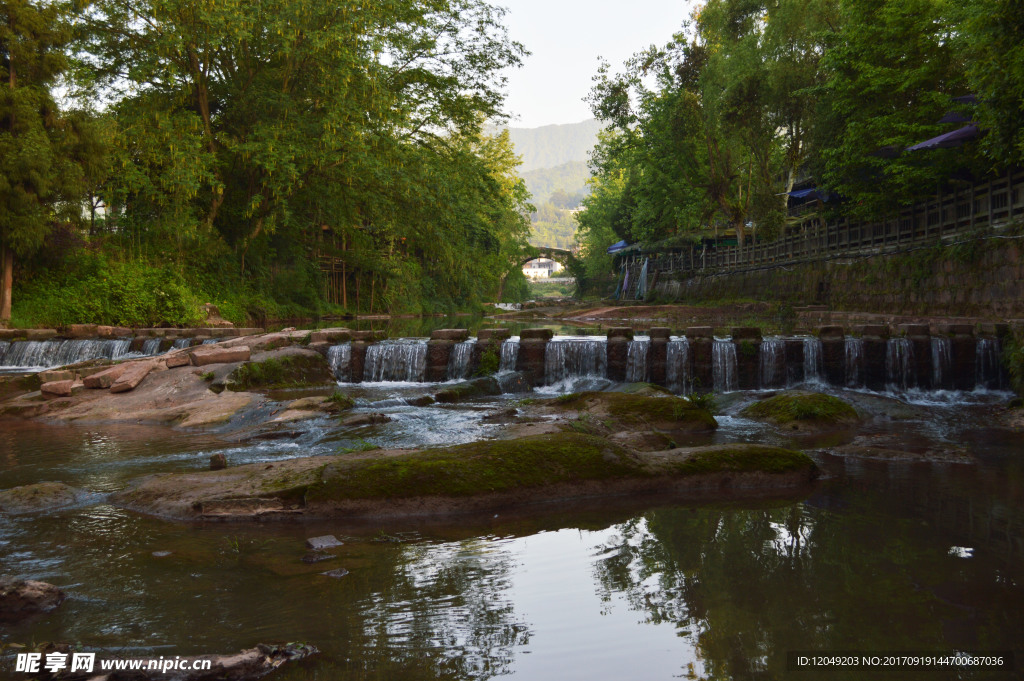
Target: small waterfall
(636, 360)
(4, 345)
(458, 360)
(899, 363)
(677, 366)
(565, 358)
(509, 355)
(182, 343)
(338, 358)
(854, 361)
(211, 341)
(942, 362)
(772, 362)
(988, 367)
(723, 365)
(54, 353)
(151, 346)
(395, 361)
(813, 361)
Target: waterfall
(395, 361)
(4, 345)
(723, 364)
(772, 362)
(854, 348)
(151, 346)
(677, 366)
(942, 362)
(988, 368)
(182, 343)
(338, 359)
(813, 361)
(899, 363)
(564, 358)
(636, 360)
(211, 341)
(54, 353)
(458, 360)
(509, 355)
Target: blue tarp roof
(950, 139)
(810, 194)
(615, 248)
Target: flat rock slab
(105, 378)
(41, 496)
(57, 388)
(56, 375)
(132, 376)
(218, 354)
(327, 541)
(246, 507)
(20, 599)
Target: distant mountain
(554, 145)
(570, 178)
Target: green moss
(290, 371)
(490, 360)
(341, 401)
(476, 388)
(742, 459)
(207, 376)
(669, 411)
(478, 467)
(805, 407)
(748, 348)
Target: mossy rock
(649, 389)
(478, 387)
(290, 371)
(42, 496)
(802, 409)
(740, 458)
(477, 468)
(663, 413)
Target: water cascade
(573, 357)
(458, 360)
(677, 366)
(813, 361)
(772, 362)
(395, 361)
(338, 359)
(182, 343)
(636, 360)
(509, 355)
(151, 346)
(899, 363)
(942, 362)
(854, 362)
(723, 365)
(60, 352)
(988, 368)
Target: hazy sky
(566, 37)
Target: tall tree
(36, 172)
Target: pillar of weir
(533, 344)
(617, 350)
(965, 355)
(794, 361)
(747, 340)
(702, 339)
(439, 351)
(657, 355)
(920, 336)
(833, 354)
(875, 338)
(357, 361)
(488, 341)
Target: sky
(566, 37)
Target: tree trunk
(6, 284)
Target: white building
(541, 268)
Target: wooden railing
(961, 213)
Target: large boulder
(105, 378)
(799, 410)
(20, 599)
(132, 376)
(57, 388)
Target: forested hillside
(554, 145)
(240, 149)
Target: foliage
(553, 145)
(1013, 357)
(490, 360)
(561, 184)
(808, 407)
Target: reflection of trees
(435, 611)
(750, 585)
